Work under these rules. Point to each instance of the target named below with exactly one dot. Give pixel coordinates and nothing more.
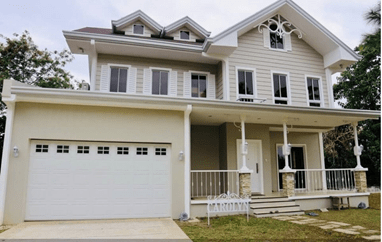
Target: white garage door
(88, 180)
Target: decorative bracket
(280, 30)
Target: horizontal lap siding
(302, 60)
(142, 63)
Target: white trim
(93, 56)
(238, 144)
(254, 81)
(187, 160)
(200, 73)
(144, 28)
(275, 49)
(187, 21)
(109, 65)
(299, 130)
(320, 86)
(134, 16)
(322, 159)
(289, 95)
(6, 153)
(169, 70)
(305, 150)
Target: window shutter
(288, 42)
(187, 84)
(211, 93)
(132, 80)
(147, 81)
(105, 79)
(173, 83)
(266, 38)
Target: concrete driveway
(164, 228)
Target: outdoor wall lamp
(287, 149)
(245, 148)
(358, 150)
(15, 151)
(181, 155)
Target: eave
(189, 23)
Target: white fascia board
(187, 20)
(96, 98)
(147, 42)
(134, 16)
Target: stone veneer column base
(245, 184)
(360, 181)
(288, 184)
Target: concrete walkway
(335, 226)
(164, 229)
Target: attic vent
(280, 26)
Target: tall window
(276, 41)
(138, 29)
(199, 85)
(245, 79)
(313, 85)
(118, 79)
(185, 35)
(280, 87)
(160, 82)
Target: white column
(93, 73)
(226, 84)
(244, 152)
(329, 82)
(322, 157)
(357, 151)
(187, 160)
(286, 167)
(7, 149)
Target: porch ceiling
(317, 118)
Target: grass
(375, 200)
(236, 227)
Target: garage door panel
(131, 181)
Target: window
(185, 35)
(199, 85)
(142, 151)
(138, 29)
(313, 88)
(82, 149)
(160, 82)
(280, 88)
(118, 79)
(276, 42)
(245, 82)
(103, 150)
(62, 148)
(42, 148)
(123, 150)
(160, 151)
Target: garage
(98, 180)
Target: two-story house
(173, 116)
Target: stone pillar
(360, 180)
(245, 184)
(288, 184)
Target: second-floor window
(160, 82)
(245, 82)
(138, 29)
(313, 89)
(276, 42)
(280, 88)
(199, 85)
(118, 79)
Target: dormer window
(138, 29)
(276, 42)
(185, 35)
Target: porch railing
(214, 182)
(324, 180)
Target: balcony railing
(324, 180)
(214, 182)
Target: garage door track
(163, 228)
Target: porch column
(286, 148)
(93, 58)
(288, 175)
(322, 157)
(359, 171)
(187, 160)
(244, 172)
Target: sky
(45, 20)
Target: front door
(254, 162)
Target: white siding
(142, 63)
(302, 60)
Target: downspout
(187, 159)
(6, 153)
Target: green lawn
(236, 227)
(375, 200)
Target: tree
(359, 87)
(23, 61)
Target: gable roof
(137, 15)
(189, 23)
(314, 33)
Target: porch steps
(263, 206)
